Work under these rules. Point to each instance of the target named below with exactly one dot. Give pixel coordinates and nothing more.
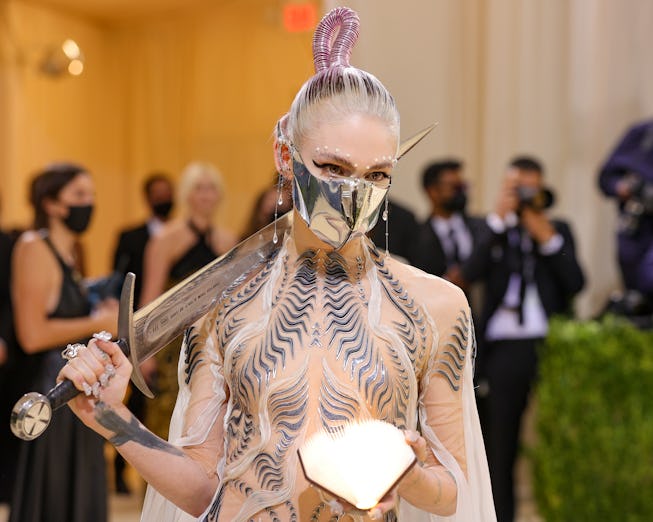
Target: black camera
(535, 198)
(643, 195)
(638, 205)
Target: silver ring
(102, 336)
(95, 389)
(71, 351)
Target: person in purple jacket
(627, 176)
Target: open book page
(359, 463)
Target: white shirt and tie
(505, 323)
(454, 236)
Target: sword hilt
(32, 414)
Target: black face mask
(79, 217)
(162, 210)
(457, 202)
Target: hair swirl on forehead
(337, 90)
(344, 24)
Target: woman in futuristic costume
(329, 331)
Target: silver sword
(143, 333)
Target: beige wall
(557, 78)
(156, 93)
(560, 79)
(51, 119)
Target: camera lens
(535, 198)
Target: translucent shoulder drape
(439, 410)
(197, 417)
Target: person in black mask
(159, 195)
(60, 476)
(446, 239)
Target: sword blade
(152, 327)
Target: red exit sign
(298, 18)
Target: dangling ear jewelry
(279, 201)
(385, 218)
(284, 165)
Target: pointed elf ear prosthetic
(283, 150)
(285, 158)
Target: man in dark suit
(529, 266)
(446, 239)
(128, 257)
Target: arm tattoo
(131, 430)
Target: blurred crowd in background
(517, 265)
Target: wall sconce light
(66, 58)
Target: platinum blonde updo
(337, 90)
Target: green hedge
(593, 457)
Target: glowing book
(359, 463)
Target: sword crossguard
(126, 333)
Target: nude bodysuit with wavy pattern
(314, 340)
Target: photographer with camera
(627, 176)
(529, 267)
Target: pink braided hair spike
(346, 22)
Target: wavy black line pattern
(346, 321)
(413, 329)
(337, 405)
(287, 409)
(288, 328)
(451, 359)
(320, 306)
(194, 351)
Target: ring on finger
(102, 336)
(101, 353)
(71, 351)
(109, 372)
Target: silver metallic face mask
(336, 208)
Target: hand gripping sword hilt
(32, 413)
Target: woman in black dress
(61, 475)
(183, 245)
(193, 239)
